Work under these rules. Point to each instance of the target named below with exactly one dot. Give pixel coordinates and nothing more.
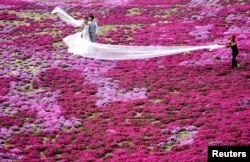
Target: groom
(92, 28)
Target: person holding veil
(235, 51)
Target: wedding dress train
(82, 46)
(78, 43)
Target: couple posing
(90, 25)
(78, 43)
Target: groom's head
(91, 18)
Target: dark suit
(235, 52)
(92, 31)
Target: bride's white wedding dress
(78, 43)
(82, 46)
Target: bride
(80, 44)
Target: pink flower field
(55, 106)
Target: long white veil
(123, 52)
(67, 18)
(120, 52)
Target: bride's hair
(85, 20)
